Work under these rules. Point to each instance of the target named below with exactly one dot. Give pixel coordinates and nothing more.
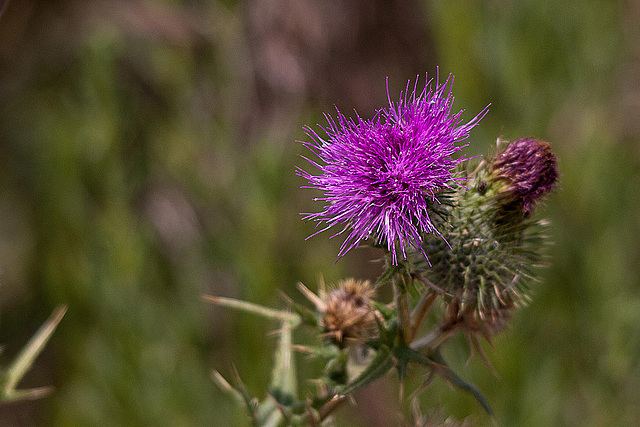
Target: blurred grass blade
(285, 316)
(25, 360)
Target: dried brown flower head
(347, 311)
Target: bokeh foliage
(148, 157)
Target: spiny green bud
(491, 250)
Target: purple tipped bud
(530, 168)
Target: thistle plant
(461, 245)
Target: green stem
(387, 275)
(328, 408)
(420, 311)
(433, 339)
(402, 305)
(293, 319)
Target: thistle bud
(528, 168)
(493, 243)
(347, 311)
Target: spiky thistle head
(380, 177)
(347, 312)
(493, 248)
(528, 167)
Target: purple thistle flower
(530, 168)
(379, 176)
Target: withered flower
(347, 312)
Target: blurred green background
(147, 155)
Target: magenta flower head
(380, 176)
